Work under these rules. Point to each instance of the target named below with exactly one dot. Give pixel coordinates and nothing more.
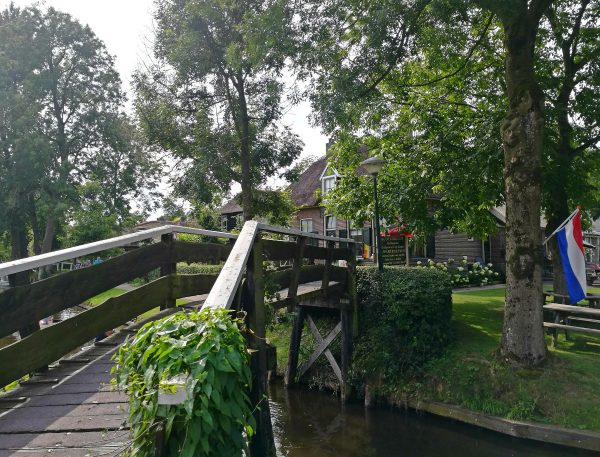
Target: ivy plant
(208, 350)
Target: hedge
(404, 320)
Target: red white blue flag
(570, 243)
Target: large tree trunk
(49, 235)
(523, 335)
(245, 159)
(18, 243)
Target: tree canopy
(213, 95)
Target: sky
(126, 27)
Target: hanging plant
(202, 359)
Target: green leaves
(210, 347)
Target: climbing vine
(206, 353)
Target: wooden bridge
(64, 404)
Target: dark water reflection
(311, 424)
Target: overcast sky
(125, 26)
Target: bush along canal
(418, 344)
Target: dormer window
(328, 184)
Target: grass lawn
(565, 391)
(101, 298)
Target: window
(328, 184)
(224, 223)
(330, 225)
(306, 225)
(239, 220)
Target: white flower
(419, 263)
(496, 274)
(460, 269)
(489, 265)
(476, 265)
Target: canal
(313, 424)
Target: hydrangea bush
(462, 274)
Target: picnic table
(592, 299)
(565, 315)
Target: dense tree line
(71, 161)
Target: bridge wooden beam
(263, 443)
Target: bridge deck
(71, 410)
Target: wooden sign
(393, 250)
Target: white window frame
(312, 225)
(224, 223)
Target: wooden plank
(253, 301)
(286, 250)
(571, 328)
(50, 258)
(314, 297)
(571, 309)
(346, 358)
(295, 339)
(20, 306)
(51, 343)
(328, 265)
(308, 273)
(213, 253)
(295, 274)
(296, 232)
(223, 292)
(323, 344)
(168, 268)
(189, 285)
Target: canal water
(313, 424)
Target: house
(306, 194)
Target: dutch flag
(570, 243)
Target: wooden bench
(569, 313)
(592, 299)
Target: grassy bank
(564, 392)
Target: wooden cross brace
(322, 347)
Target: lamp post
(373, 166)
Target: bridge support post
(168, 269)
(262, 444)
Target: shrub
(198, 268)
(209, 351)
(404, 320)
(462, 274)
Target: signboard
(393, 250)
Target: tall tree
(367, 41)
(568, 64)
(213, 98)
(23, 150)
(82, 94)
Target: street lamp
(373, 165)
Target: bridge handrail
(50, 258)
(225, 288)
(295, 232)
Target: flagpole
(566, 221)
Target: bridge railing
(239, 285)
(24, 305)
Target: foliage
(404, 318)
(209, 347)
(198, 268)
(213, 98)
(461, 274)
(62, 128)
